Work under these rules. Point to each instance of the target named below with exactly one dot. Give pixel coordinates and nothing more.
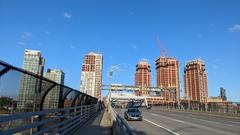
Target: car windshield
(133, 110)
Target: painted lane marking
(167, 118)
(206, 127)
(234, 122)
(214, 122)
(161, 127)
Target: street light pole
(110, 90)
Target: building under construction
(195, 81)
(168, 78)
(143, 77)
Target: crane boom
(162, 50)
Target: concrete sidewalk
(98, 125)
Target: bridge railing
(119, 125)
(54, 121)
(33, 104)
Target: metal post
(110, 90)
(188, 104)
(38, 87)
(206, 107)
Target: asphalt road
(161, 122)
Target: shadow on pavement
(93, 127)
(139, 132)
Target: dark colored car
(133, 114)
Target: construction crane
(161, 47)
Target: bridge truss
(116, 87)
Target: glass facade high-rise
(52, 99)
(223, 94)
(29, 85)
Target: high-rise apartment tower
(143, 76)
(195, 81)
(91, 79)
(223, 94)
(29, 85)
(52, 99)
(168, 78)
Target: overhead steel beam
(137, 88)
(74, 100)
(5, 70)
(45, 94)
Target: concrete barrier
(119, 125)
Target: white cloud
(217, 60)
(67, 15)
(235, 28)
(119, 67)
(26, 35)
(21, 43)
(115, 68)
(133, 46)
(72, 46)
(215, 66)
(47, 32)
(24, 38)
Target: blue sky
(125, 32)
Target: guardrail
(55, 121)
(234, 115)
(119, 125)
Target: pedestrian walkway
(98, 125)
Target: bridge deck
(157, 121)
(97, 125)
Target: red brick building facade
(168, 78)
(143, 76)
(195, 81)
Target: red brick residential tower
(195, 81)
(168, 78)
(143, 76)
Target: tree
(5, 102)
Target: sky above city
(125, 32)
